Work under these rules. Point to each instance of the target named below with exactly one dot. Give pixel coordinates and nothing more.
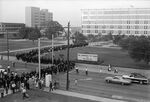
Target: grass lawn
(18, 44)
(115, 57)
(40, 96)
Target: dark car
(137, 78)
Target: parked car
(137, 78)
(118, 79)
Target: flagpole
(39, 58)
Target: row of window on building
(117, 17)
(116, 22)
(115, 31)
(116, 26)
(118, 11)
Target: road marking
(117, 96)
(86, 79)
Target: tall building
(128, 21)
(12, 29)
(36, 17)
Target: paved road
(94, 84)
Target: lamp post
(39, 57)
(52, 50)
(67, 85)
(7, 47)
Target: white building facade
(127, 21)
(35, 17)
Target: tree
(24, 32)
(79, 38)
(53, 27)
(125, 42)
(139, 49)
(91, 37)
(34, 34)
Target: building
(45, 16)
(12, 29)
(36, 17)
(128, 21)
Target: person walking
(86, 71)
(77, 70)
(51, 86)
(76, 82)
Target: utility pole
(7, 47)
(67, 85)
(52, 50)
(39, 57)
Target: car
(137, 78)
(118, 79)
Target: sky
(63, 10)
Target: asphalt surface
(95, 84)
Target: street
(95, 84)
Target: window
(128, 32)
(111, 26)
(136, 27)
(88, 31)
(128, 27)
(136, 22)
(103, 31)
(145, 22)
(96, 26)
(145, 27)
(136, 32)
(88, 26)
(128, 22)
(96, 31)
(145, 32)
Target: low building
(12, 29)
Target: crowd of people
(10, 80)
(32, 56)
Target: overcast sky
(63, 10)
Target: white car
(118, 79)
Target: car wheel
(122, 83)
(108, 81)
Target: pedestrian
(13, 86)
(55, 84)
(24, 92)
(77, 70)
(109, 68)
(2, 92)
(76, 82)
(13, 64)
(8, 68)
(86, 71)
(51, 86)
(115, 71)
(100, 70)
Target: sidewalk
(90, 97)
